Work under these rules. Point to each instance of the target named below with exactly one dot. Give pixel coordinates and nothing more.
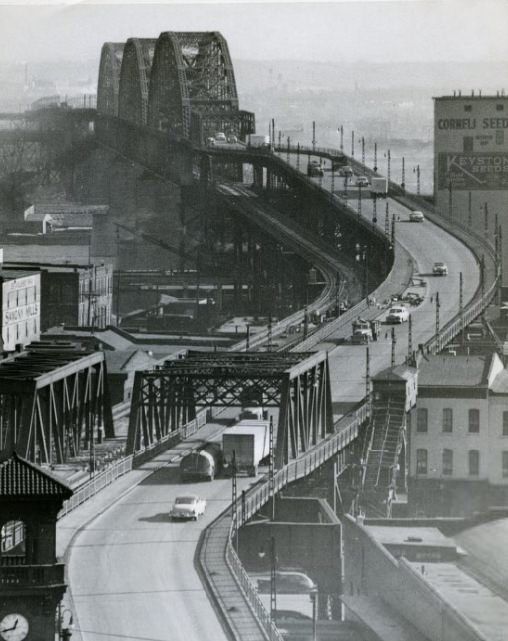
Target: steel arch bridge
(135, 79)
(109, 78)
(181, 83)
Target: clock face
(13, 627)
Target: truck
(379, 186)
(202, 464)
(249, 440)
(253, 412)
(314, 168)
(362, 332)
(258, 140)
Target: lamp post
(362, 255)
(314, 598)
(416, 170)
(341, 134)
(403, 181)
(313, 135)
(353, 143)
(64, 628)
(273, 576)
(363, 151)
(375, 156)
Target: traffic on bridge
(204, 484)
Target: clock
(13, 627)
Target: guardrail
(99, 481)
(346, 430)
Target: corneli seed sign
(473, 171)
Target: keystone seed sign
(473, 171)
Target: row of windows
(422, 420)
(19, 334)
(21, 297)
(473, 456)
(499, 107)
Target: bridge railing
(101, 480)
(346, 430)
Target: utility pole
(410, 340)
(313, 135)
(271, 471)
(367, 374)
(394, 342)
(437, 321)
(461, 306)
(375, 156)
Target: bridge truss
(54, 402)
(298, 384)
(182, 83)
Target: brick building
(458, 436)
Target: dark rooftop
(20, 478)
(444, 370)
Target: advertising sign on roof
(473, 171)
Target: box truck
(250, 442)
(378, 186)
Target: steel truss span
(53, 402)
(134, 80)
(163, 400)
(109, 78)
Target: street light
(273, 574)
(416, 170)
(314, 598)
(64, 629)
(363, 256)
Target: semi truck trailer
(248, 442)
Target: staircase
(386, 430)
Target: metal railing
(102, 480)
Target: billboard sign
(473, 170)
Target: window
(447, 419)
(474, 421)
(505, 423)
(467, 143)
(474, 462)
(505, 464)
(421, 419)
(421, 461)
(447, 462)
(468, 107)
(12, 543)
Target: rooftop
(444, 370)
(487, 611)
(415, 536)
(398, 373)
(39, 211)
(20, 478)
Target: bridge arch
(192, 74)
(135, 79)
(109, 78)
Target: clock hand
(11, 628)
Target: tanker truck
(203, 464)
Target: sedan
(440, 269)
(397, 315)
(416, 216)
(189, 506)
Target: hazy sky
(413, 30)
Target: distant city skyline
(349, 31)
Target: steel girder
(52, 404)
(164, 399)
(191, 71)
(134, 80)
(109, 78)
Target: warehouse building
(471, 163)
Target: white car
(362, 181)
(416, 216)
(440, 269)
(189, 506)
(397, 314)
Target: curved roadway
(132, 571)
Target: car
(362, 181)
(210, 142)
(232, 139)
(440, 269)
(346, 171)
(397, 314)
(416, 216)
(188, 506)
(220, 136)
